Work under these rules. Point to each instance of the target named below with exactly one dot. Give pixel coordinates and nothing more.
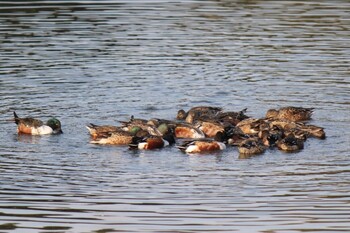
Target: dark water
(102, 61)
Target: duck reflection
(27, 138)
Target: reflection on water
(102, 61)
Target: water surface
(102, 61)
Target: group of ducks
(201, 129)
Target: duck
(251, 146)
(157, 122)
(142, 123)
(290, 144)
(298, 133)
(163, 126)
(29, 125)
(209, 127)
(186, 130)
(96, 130)
(252, 126)
(203, 145)
(314, 131)
(267, 138)
(271, 135)
(284, 124)
(231, 117)
(151, 142)
(134, 120)
(197, 112)
(290, 113)
(237, 138)
(231, 135)
(117, 137)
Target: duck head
(55, 124)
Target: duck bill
(59, 131)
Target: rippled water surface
(102, 61)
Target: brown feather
(207, 146)
(22, 128)
(183, 132)
(154, 143)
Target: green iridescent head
(163, 128)
(134, 130)
(55, 124)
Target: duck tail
(181, 147)
(91, 127)
(243, 110)
(309, 112)
(241, 114)
(126, 123)
(16, 118)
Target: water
(102, 61)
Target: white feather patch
(222, 145)
(142, 145)
(101, 141)
(90, 129)
(192, 149)
(166, 143)
(42, 130)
